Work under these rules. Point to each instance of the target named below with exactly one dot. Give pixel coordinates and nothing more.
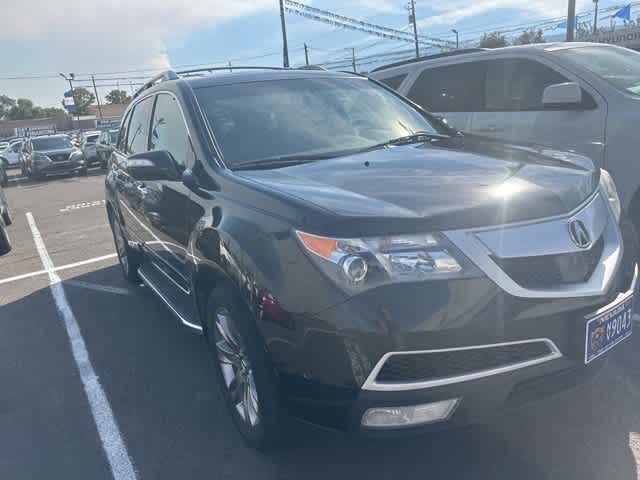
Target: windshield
(301, 117)
(51, 143)
(619, 66)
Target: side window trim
(151, 97)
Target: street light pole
(285, 48)
(306, 54)
(571, 20)
(415, 27)
(457, 40)
(353, 59)
(595, 18)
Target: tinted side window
(394, 82)
(122, 135)
(517, 84)
(138, 131)
(169, 131)
(452, 88)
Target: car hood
(454, 183)
(58, 151)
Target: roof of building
(108, 110)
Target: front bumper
(59, 168)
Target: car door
(450, 91)
(165, 199)
(134, 140)
(513, 109)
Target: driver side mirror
(155, 165)
(562, 94)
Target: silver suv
(572, 96)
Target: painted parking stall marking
(81, 205)
(108, 431)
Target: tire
(252, 366)
(5, 242)
(128, 258)
(4, 178)
(6, 217)
(83, 172)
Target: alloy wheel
(236, 368)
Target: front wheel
(5, 242)
(244, 370)
(83, 172)
(129, 259)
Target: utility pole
(306, 54)
(95, 90)
(412, 18)
(457, 40)
(571, 20)
(285, 48)
(230, 67)
(353, 59)
(131, 88)
(595, 18)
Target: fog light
(389, 417)
(355, 268)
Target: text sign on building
(35, 130)
(624, 37)
(111, 122)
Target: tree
(493, 40)
(5, 105)
(117, 97)
(54, 112)
(22, 110)
(82, 98)
(529, 36)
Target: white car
(571, 96)
(88, 146)
(10, 154)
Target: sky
(122, 42)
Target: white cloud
(96, 36)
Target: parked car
(5, 221)
(583, 97)
(88, 146)
(51, 155)
(104, 146)
(355, 262)
(10, 155)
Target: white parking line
(78, 206)
(57, 269)
(112, 441)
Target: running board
(156, 290)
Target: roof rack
(451, 53)
(162, 77)
(171, 75)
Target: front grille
(546, 271)
(59, 158)
(434, 365)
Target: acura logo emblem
(579, 234)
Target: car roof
(473, 52)
(226, 78)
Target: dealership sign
(110, 122)
(625, 37)
(35, 130)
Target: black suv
(353, 261)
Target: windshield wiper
(282, 161)
(415, 137)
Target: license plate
(608, 328)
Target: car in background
(3, 145)
(5, 221)
(10, 154)
(104, 146)
(88, 147)
(583, 97)
(51, 155)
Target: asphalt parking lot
(159, 386)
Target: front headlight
(358, 264)
(608, 188)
